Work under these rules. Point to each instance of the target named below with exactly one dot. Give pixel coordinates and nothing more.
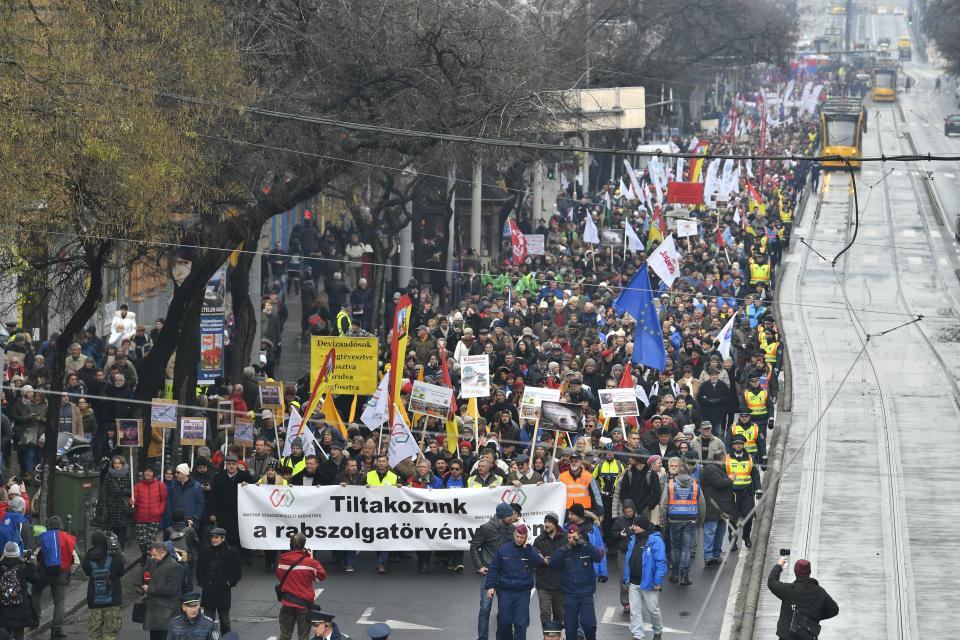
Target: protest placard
(129, 432)
(475, 376)
(560, 417)
(532, 397)
(430, 399)
(618, 403)
(243, 432)
(163, 413)
(535, 244)
(356, 368)
(193, 431)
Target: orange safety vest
(578, 490)
(756, 402)
(741, 470)
(751, 433)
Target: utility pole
(848, 28)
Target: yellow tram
(843, 122)
(884, 82)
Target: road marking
(908, 233)
(611, 616)
(394, 624)
(914, 259)
(949, 175)
(942, 261)
(869, 259)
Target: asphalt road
(439, 605)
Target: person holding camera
(578, 582)
(297, 572)
(104, 565)
(804, 604)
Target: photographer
(104, 564)
(813, 604)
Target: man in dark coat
(713, 399)
(718, 495)
(224, 499)
(641, 485)
(218, 571)
(162, 591)
(811, 599)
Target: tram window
(841, 133)
(884, 81)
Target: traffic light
(551, 173)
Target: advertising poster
(383, 518)
(211, 329)
(430, 399)
(532, 397)
(356, 370)
(193, 431)
(475, 376)
(619, 403)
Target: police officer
(191, 624)
(752, 435)
(552, 630)
(379, 631)
(322, 626)
(510, 574)
(344, 322)
(746, 484)
(578, 583)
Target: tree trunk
(56, 368)
(244, 317)
(185, 369)
(379, 289)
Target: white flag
(665, 261)
(711, 184)
(694, 143)
(726, 338)
(749, 168)
(297, 428)
(641, 394)
(375, 411)
(736, 215)
(633, 177)
(788, 92)
(591, 234)
(625, 190)
(679, 174)
(402, 443)
(564, 185)
(633, 240)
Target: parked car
(951, 124)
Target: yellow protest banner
(356, 368)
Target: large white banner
(383, 518)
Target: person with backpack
(183, 536)
(149, 504)
(16, 610)
(15, 526)
(104, 568)
(56, 558)
(218, 571)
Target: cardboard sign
(193, 431)
(224, 414)
(475, 376)
(560, 417)
(532, 398)
(686, 228)
(619, 403)
(430, 399)
(163, 414)
(129, 432)
(356, 367)
(536, 244)
(243, 432)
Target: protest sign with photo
(243, 432)
(611, 237)
(163, 414)
(686, 228)
(129, 432)
(430, 399)
(560, 417)
(193, 431)
(532, 397)
(224, 414)
(618, 403)
(271, 395)
(475, 376)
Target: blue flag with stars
(637, 300)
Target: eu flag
(637, 300)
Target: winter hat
(17, 504)
(54, 522)
(522, 529)
(504, 510)
(15, 490)
(11, 550)
(801, 568)
(552, 517)
(183, 468)
(628, 503)
(577, 510)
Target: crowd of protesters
(639, 488)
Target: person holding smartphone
(812, 602)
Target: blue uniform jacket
(577, 577)
(182, 628)
(654, 561)
(512, 568)
(595, 537)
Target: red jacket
(298, 590)
(149, 501)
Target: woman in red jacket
(149, 503)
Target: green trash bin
(73, 494)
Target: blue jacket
(512, 568)
(654, 561)
(577, 577)
(181, 628)
(595, 537)
(188, 497)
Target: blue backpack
(102, 584)
(50, 548)
(10, 529)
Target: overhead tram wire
(540, 279)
